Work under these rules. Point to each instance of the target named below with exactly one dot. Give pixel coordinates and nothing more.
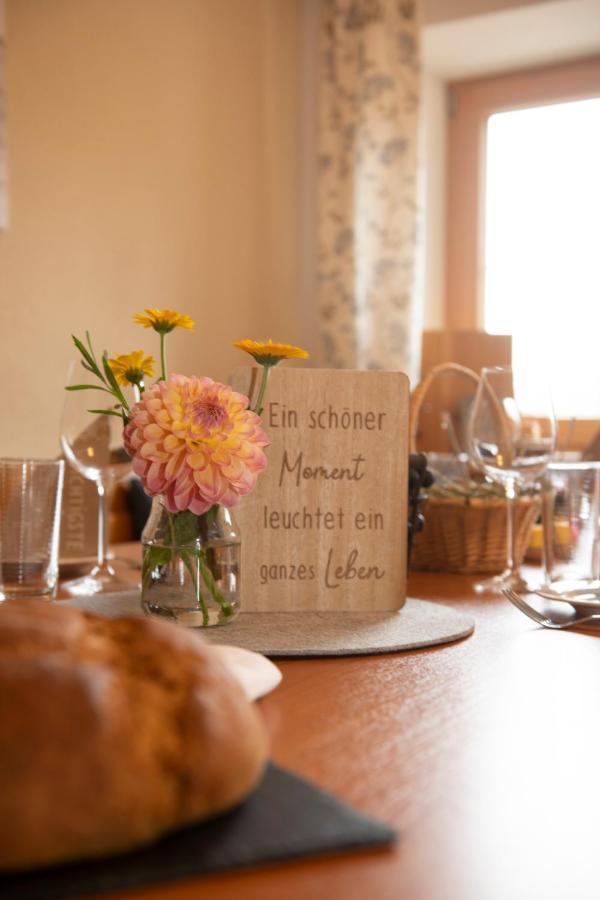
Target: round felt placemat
(419, 623)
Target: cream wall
(152, 162)
(433, 11)
(433, 162)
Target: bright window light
(542, 247)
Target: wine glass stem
(511, 537)
(102, 525)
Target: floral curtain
(367, 172)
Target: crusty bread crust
(113, 732)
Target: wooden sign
(325, 528)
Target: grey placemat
(419, 623)
(285, 818)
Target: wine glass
(93, 445)
(512, 437)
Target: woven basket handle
(421, 390)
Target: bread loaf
(113, 732)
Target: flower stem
(258, 408)
(163, 358)
(171, 528)
(185, 554)
(210, 583)
(188, 563)
(147, 566)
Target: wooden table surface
(481, 753)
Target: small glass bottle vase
(191, 565)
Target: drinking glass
(571, 527)
(512, 443)
(93, 445)
(30, 502)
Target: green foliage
(186, 527)
(86, 387)
(106, 376)
(154, 556)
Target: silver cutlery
(545, 620)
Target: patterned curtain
(367, 183)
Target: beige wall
(152, 162)
(446, 10)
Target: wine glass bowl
(93, 446)
(511, 444)
(92, 443)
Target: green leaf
(87, 387)
(88, 367)
(105, 412)
(109, 373)
(83, 350)
(112, 381)
(186, 527)
(87, 357)
(89, 341)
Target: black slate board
(285, 818)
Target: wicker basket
(466, 534)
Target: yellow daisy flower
(163, 320)
(130, 368)
(269, 354)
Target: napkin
(257, 675)
(285, 818)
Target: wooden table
(481, 753)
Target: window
(523, 247)
(541, 280)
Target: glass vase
(191, 565)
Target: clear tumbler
(30, 503)
(571, 524)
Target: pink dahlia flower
(196, 442)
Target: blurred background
(306, 170)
